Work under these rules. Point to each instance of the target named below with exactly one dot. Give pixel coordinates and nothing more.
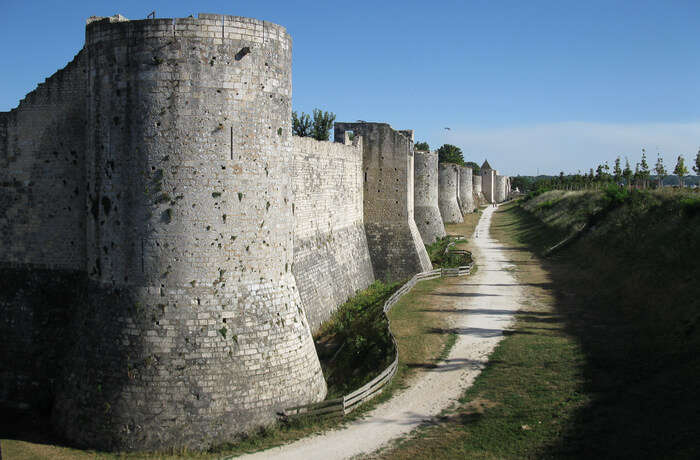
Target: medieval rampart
(466, 197)
(167, 245)
(331, 257)
(395, 245)
(191, 328)
(478, 194)
(426, 210)
(501, 187)
(42, 179)
(448, 177)
(42, 232)
(488, 184)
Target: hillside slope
(629, 288)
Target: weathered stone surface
(448, 177)
(331, 257)
(395, 245)
(425, 197)
(175, 136)
(166, 245)
(478, 194)
(501, 188)
(488, 182)
(42, 173)
(466, 197)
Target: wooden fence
(348, 403)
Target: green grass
(526, 396)
(605, 360)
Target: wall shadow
(641, 372)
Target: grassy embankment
(359, 324)
(604, 359)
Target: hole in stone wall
(242, 53)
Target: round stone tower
(501, 188)
(193, 330)
(478, 194)
(448, 177)
(466, 198)
(425, 197)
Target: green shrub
(438, 257)
(614, 195)
(355, 344)
(690, 205)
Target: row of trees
(602, 175)
(449, 153)
(319, 127)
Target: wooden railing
(349, 402)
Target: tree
(644, 169)
(617, 171)
(599, 173)
(680, 170)
(522, 183)
(660, 170)
(449, 153)
(422, 146)
(322, 125)
(696, 168)
(627, 173)
(301, 125)
(476, 169)
(637, 177)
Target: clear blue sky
(532, 85)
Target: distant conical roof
(486, 165)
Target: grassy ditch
(634, 278)
(529, 392)
(604, 361)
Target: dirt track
(484, 305)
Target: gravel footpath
(484, 305)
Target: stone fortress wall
(501, 188)
(42, 179)
(168, 245)
(488, 182)
(448, 183)
(466, 190)
(331, 256)
(191, 328)
(395, 245)
(425, 197)
(42, 231)
(478, 194)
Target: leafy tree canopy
(301, 125)
(449, 153)
(319, 128)
(681, 169)
(322, 125)
(422, 146)
(476, 169)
